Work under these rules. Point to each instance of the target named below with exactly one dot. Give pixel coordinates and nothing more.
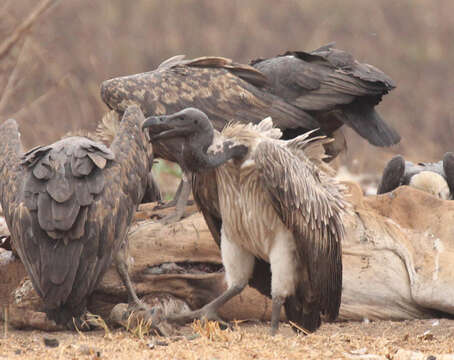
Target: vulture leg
(152, 192)
(278, 301)
(392, 175)
(173, 202)
(122, 269)
(448, 167)
(283, 274)
(239, 265)
(181, 199)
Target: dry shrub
(51, 79)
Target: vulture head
(197, 132)
(432, 183)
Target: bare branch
(12, 79)
(39, 100)
(19, 32)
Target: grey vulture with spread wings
(68, 206)
(271, 209)
(434, 178)
(301, 91)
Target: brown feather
(69, 205)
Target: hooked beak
(164, 127)
(152, 121)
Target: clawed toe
(164, 205)
(170, 219)
(202, 314)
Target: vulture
(434, 178)
(68, 207)
(271, 210)
(300, 91)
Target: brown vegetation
(76, 45)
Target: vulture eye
(196, 122)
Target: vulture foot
(209, 311)
(133, 316)
(165, 205)
(180, 201)
(206, 313)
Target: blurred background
(49, 80)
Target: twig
(20, 30)
(39, 99)
(13, 76)
(300, 328)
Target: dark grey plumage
(334, 88)
(399, 172)
(68, 206)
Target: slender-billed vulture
(434, 178)
(68, 207)
(301, 91)
(270, 207)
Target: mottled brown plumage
(271, 206)
(68, 206)
(300, 91)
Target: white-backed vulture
(271, 209)
(435, 178)
(323, 89)
(68, 207)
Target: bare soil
(415, 339)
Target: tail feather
(368, 123)
(302, 313)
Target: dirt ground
(416, 339)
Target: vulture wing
(310, 205)
(73, 211)
(330, 79)
(222, 89)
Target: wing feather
(71, 209)
(310, 204)
(204, 189)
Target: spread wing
(330, 79)
(222, 89)
(310, 204)
(72, 214)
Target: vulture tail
(303, 314)
(363, 118)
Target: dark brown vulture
(434, 178)
(300, 91)
(68, 206)
(269, 207)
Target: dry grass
(76, 45)
(374, 340)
